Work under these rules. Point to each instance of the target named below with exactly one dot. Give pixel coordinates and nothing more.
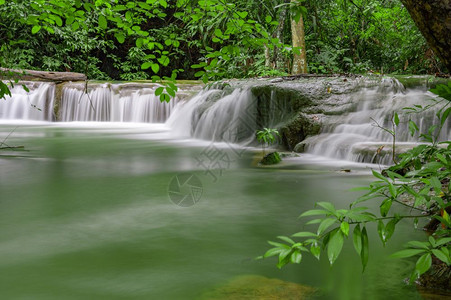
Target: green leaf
(314, 212)
(35, 29)
(385, 207)
(407, 253)
(440, 255)
(335, 245)
(296, 257)
(272, 252)
(365, 249)
(379, 175)
(442, 241)
(163, 3)
(436, 184)
(396, 119)
(242, 14)
(280, 245)
(286, 239)
(423, 263)
(58, 20)
(345, 228)
(381, 231)
(218, 32)
(327, 205)
(102, 22)
(390, 228)
(165, 98)
(326, 223)
(357, 239)
(164, 60)
(199, 73)
(304, 234)
(159, 91)
(417, 244)
(393, 191)
(146, 65)
(170, 91)
(75, 26)
(120, 37)
(314, 221)
(316, 251)
(413, 128)
(155, 68)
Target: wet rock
(436, 283)
(300, 147)
(271, 159)
(259, 287)
(288, 154)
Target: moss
(259, 287)
(57, 101)
(271, 159)
(425, 82)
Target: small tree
(267, 136)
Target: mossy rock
(259, 287)
(271, 159)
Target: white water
(111, 103)
(356, 135)
(34, 105)
(230, 115)
(217, 116)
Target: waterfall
(350, 111)
(358, 135)
(352, 116)
(114, 103)
(218, 115)
(37, 104)
(122, 102)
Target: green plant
(267, 136)
(419, 181)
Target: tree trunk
(278, 57)
(433, 18)
(267, 56)
(298, 38)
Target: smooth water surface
(85, 214)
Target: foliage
(149, 39)
(267, 136)
(420, 182)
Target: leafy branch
(419, 181)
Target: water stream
(86, 210)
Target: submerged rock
(271, 159)
(259, 287)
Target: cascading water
(351, 120)
(350, 112)
(358, 135)
(114, 103)
(217, 115)
(37, 104)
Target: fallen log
(41, 75)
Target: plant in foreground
(267, 136)
(419, 181)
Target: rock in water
(271, 159)
(259, 287)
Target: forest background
(212, 39)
